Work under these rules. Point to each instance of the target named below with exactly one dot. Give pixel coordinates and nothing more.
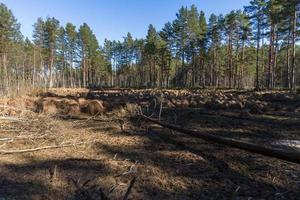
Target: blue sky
(112, 19)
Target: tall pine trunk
(241, 78)
(271, 55)
(51, 68)
(214, 68)
(287, 72)
(292, 84)
(5, 72)
(34, 70)
(275, 59)
(230, 59)
(257, 86)
(83, 68)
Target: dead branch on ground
(130, 171)
(129, 188)
(9, 118)
(41, 148)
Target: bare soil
(167, 165)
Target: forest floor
(104, 154)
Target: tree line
(254, 47)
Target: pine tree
(71, 50)
(61, 56)
(193, 31)
(244, 34)
(273, 10)
(39, 46)
(257, 16)
(85, 34)
(294, 7)
(230, 28)
(180, 25)
(29, 62)
(202, 44)
(9, 35)
(109, 53)
(214, 39)
(151, 49)
(51, 34)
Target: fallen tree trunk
(287, 155)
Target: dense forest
(251, 48)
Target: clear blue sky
(112, 19)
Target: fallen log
(287, 155)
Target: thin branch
(40, 148)
(21, 137)
(130, 171)
(129, 188)
(93, 118)
(11, 118)
(5, 139)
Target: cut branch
(129, 188)
(23, 137)
(8, 118)
(75, 117)
(40, 148)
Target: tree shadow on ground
(167, 166)
(212, 178)
(56, 179)
(11, 188)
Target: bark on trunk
(271, 59)
(257, 86)
(292, 84)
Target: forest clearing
(97, 156)
(160, 99)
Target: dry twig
(129, 188)
(9, 118)
(130, 171)
(40, 148)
